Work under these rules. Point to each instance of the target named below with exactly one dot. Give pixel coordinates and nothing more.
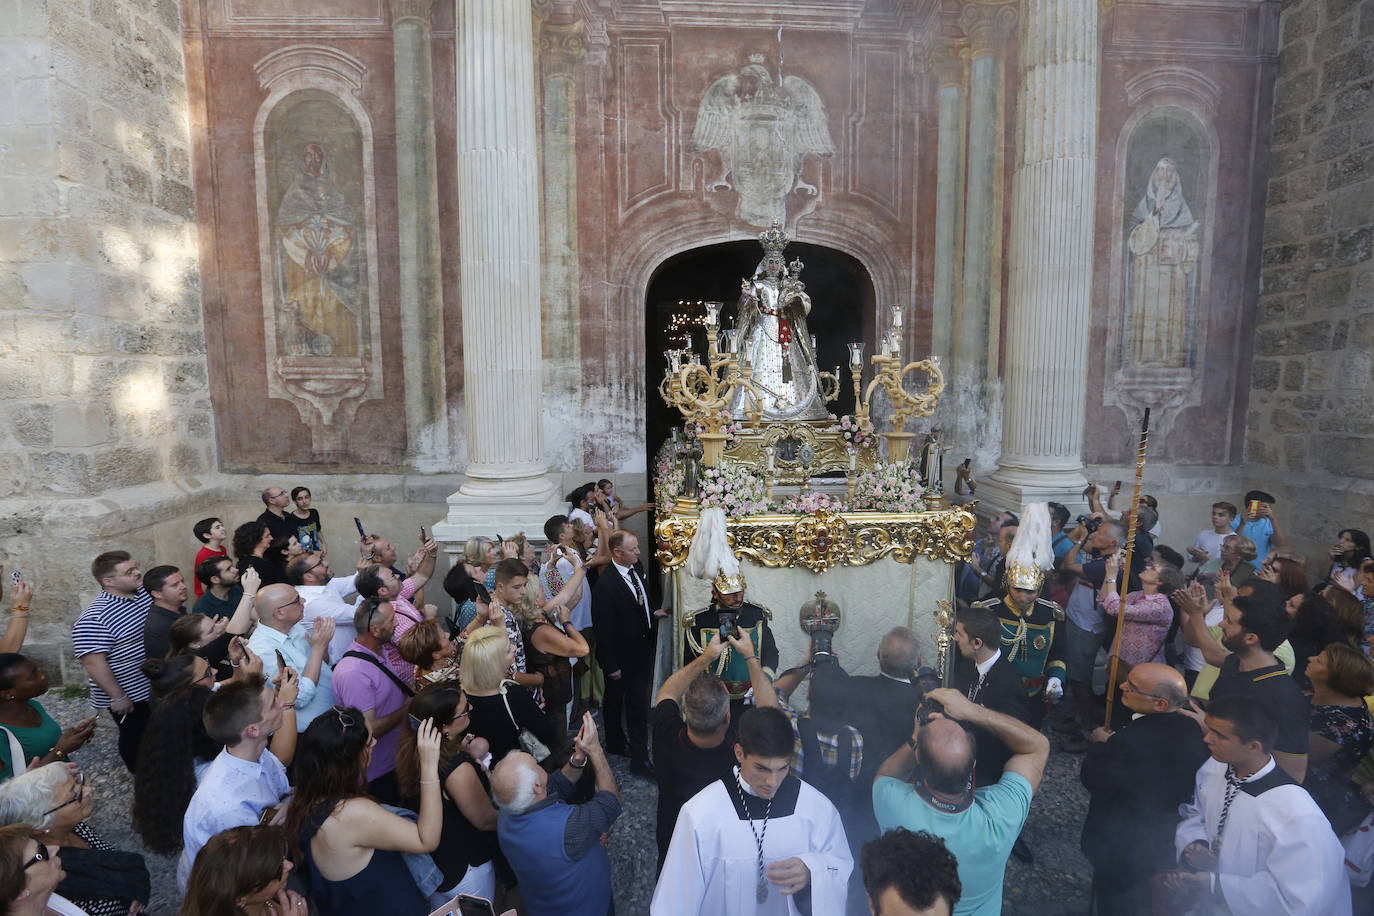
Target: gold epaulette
(1054, 608)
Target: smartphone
(15, 577)
(475, 906)
(727, 625)
(500, 540)
(414, 723)
(281, 660)
(357, 521)
(422, 534)
(967, 462)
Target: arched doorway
(842, 310)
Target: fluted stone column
(508, 484)
(417, 197)
(988, 26)
(950, 73)
(1050, 257)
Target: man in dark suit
(1136, 778)
(885, 705)
(984, 675)
(625, 629)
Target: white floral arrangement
(856, 432)
(889, 487)
(735, 489)
(811, 502)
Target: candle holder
(889, 376)
(702, 390)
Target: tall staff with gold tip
(1126, 565)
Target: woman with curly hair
(340, 830)
(251, 543)
(467, 845)
(552, 642)
(242, 872)
(175, 749)
(432, 652)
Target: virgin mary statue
(772, 335)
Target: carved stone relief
(762, 128)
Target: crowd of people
(310, 741)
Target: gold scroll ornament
(824, 539)
(801, 451)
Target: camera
(727, 625)
(927, 708)
(1088, 522)
(822, 645)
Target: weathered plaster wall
(102, 357)
(1311, 423)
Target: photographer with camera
(928, 785)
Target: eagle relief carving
(763, 129)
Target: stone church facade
(402, 251)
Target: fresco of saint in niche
(1163, 244)
(315, 162)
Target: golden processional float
(811, 502)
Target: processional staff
(1126, 566)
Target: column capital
(562, 43)
(950, 61)
(988, 24)
(418, 10)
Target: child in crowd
(1208, 543)
(309, 528)
(211, 534)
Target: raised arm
(1030, 749)
(676, 684)
(242, 619)
(370, 826)
(21, 596)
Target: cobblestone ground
(1057, 884)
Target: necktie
(973, 691)
(634, 583)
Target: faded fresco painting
(314, 153)
(1167, 166)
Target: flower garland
(889, 488)
(856, 432)
(811, 502)
(735, 489)
(729, 425)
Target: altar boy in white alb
(1256, 842)
(759, 842)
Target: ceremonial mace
(1125, 570)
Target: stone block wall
(103, 386)
(1310, 428)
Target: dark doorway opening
(842, 311)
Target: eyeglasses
(460, 715)
(80, 780)
(209, 673)
(40, 855)
(344, 718)
(1128, 687)
(309, 569)
(295, 600)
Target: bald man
(281, 628)
(554, 846)
(927, 784)
(1137, 776)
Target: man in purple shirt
(363, 680)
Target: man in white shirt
(281, 628)
(326, 595)
(1207, 546)
(246, 778)
(1251, 835)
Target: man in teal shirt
(927, 784)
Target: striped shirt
(114, 625)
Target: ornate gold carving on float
(822, 539)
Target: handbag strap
(385, 670)
(507, 705)
(17, 761)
